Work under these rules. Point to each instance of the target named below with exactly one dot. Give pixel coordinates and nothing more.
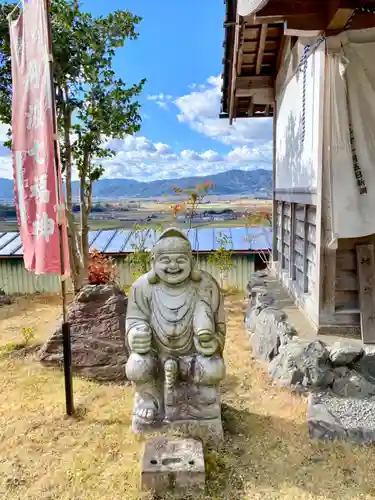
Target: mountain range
(231, 182)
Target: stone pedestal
(210, 432)
(169, 465)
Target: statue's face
(173, 268)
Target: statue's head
(172, 259)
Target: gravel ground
(349, 419)
(353, 413)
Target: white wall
(298, 161)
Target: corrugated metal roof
(205, 239)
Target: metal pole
(67, 350)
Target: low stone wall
(340, 377)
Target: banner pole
(67, 349)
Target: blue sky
(179, 52)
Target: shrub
(102, 269)
(28, 335)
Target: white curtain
(350, 78)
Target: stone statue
(175, 333)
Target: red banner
(36, 179)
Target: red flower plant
(101, 269)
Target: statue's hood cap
(172, 240)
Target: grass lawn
(267, 452)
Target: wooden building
(307, 64)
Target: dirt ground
(267, 452)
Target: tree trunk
(85, 206)
(75, 259)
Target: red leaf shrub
(101, 269)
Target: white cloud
(200, 110)
(162, 104)
(139, 158)
(3, 132)
(161, 99)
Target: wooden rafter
(339, 13)
(241, 49)
(288, 8)
(234, 70)
(262, 44)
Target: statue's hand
(206, 344)
(140, 338)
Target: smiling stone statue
(175, 332)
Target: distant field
(164, 216)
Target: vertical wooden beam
(282, 236)
(234, 69)
(305, 246)
(275, 255)
(292, 237)
(250, 111)
(280, 53)
(366, 276)
(262, 44)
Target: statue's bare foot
(146, 410)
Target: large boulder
(349, 419)
(351, 384)
(267, 328)
(366, 365)
(97, 325)
(343, 353)
(302, 365)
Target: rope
(19, 5)
(302, 66)
(303, 119)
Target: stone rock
(5, 300)
(366, 365)
(268, 331)
(332, 417)
(344, 353)
(97, 324)
(302, 365)
(353, 385)
(169, 465)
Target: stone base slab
(169, 465)
(210, 432)
(330, 417)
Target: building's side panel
(340, 309)
(297, 182)
(296, 244)
(298, 156)
(14, 279)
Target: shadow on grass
(19, 350)
(268, 454)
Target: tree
(92, 105)
(191, 198)
(140, 258)
(222, 257)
